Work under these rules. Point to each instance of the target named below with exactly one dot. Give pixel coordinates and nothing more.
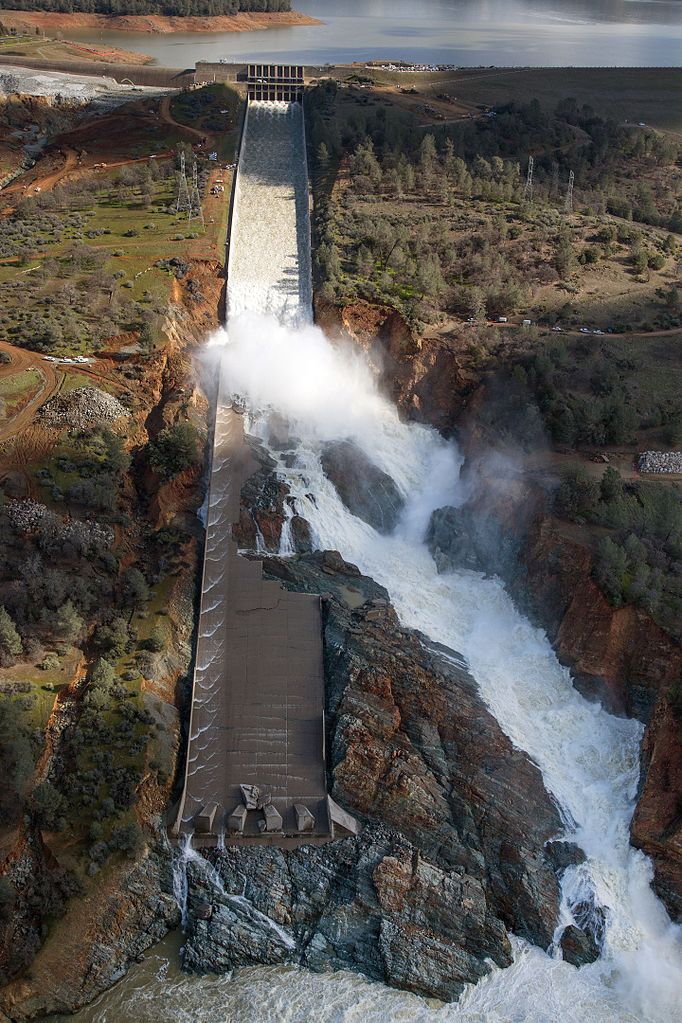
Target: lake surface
(541, 33)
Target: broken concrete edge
(339, 817)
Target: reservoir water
(558, 33)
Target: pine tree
(10, 640)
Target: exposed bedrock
(617, 655)
(366, 490)
(427, 378)
(455, 820)
(464, 538)
(262, 504)
(370, 903)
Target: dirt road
(52, 379)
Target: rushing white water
(269, 258)
(588, 758)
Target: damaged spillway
(255, 762)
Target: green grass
(44, 685)
(637, 94)
(17, 385)
(153, 610)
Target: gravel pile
(81, 407)
(660, 461)
(29, 516)
(62, 87)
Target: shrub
(174, 450)
(112, 638)
(47, 807)
(10, 640)
(156, 641)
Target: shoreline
(153, 24)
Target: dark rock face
(370, 903)
(455, 820)
(365, 490)
(564, 854)
(657, 822)
(578, 947)
(300, 535)
(262, 504)
(466, 538)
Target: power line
(183, 203)
(528, 190)
(568, 204)
(195, 209)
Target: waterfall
(182, 855)
(589, 759)
(272, 357)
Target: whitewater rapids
(588, 758)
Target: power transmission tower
(195, 209)
(183, 203)
(528, 190)
(568, 205)
(554, 187)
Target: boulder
(466, 538)
(565, 854)
(366, 491)
(578, 947)
(250, 795)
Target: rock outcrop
(657, 822)
(365, 490)
(423, 377)
(127, 913)
(463, 538)
(261, 516)
(455, 820)
(370, 903)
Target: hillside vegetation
(437, 222)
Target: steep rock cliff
(618, 655)
(455, 819)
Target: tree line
(169, 8)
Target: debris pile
(82, 407)
(660, 461)
(30, 516)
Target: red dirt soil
(50, 22)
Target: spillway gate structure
(255, 769)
